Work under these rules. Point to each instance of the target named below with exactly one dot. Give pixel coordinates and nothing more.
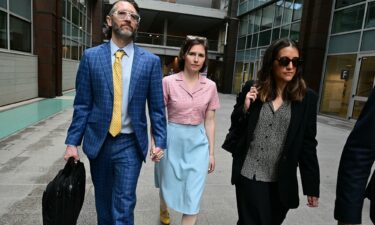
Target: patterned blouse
(262, 158)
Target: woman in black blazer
(274, 122)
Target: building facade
(41, 42)
(335, 38)
(349, 73)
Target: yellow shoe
(164, 217)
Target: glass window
(278, 13)
(242, 8)
(243, 26)
(275, 33)
(64, 9)
(297, 10)
(68, 10)
(348, 19)
(248, 43)
(20, 34)
(237, 78)
(3, 30)
(264, 38)
(74, 33)
(336, 90)
(74, 46)
(251, 24)
(76, 29)
(366, 76)
(75, 16)
(88, 26)
(21, 7)
(343, 3)
(253, 54)
(84, 38)
(81, 5)
(66, 28)
(344, 43)
(370, 17)
(88, 40)
(3, 3)
(267, 17)
(258, 17)
(368, 40)
(284, 31)
(288, 11)
(241, 43)
(254, 42)
(294, 31)
(66, 48)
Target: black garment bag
(64, 195)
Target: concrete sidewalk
(31, 158)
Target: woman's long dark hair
(295, 90)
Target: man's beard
(122, 34)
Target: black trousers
(258, 203)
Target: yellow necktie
(115, 127)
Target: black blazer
(299, 149)
(355, 167)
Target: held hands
(251, 96)
(312, 201)
(156, 154)
(71, 151)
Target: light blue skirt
(181, 173)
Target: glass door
(364, 81)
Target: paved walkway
(30, 158)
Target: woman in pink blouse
(191, 100)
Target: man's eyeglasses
(125, 14)
(284, 61)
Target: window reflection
(370, 17)
(20, 35)
(21, 8)
(76, 28)
(18, 28)
(3, 3)
(348, 19)
(337, 88)
(3, 30)
(343, 3)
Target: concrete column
(97, 20)
(230, 48)
(313, 39)
(47, 45)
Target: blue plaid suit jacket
(94, 100)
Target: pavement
(30, 158)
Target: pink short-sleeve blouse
(186, 106)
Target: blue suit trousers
(115, 173)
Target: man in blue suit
(116, 155)
(356, 161)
